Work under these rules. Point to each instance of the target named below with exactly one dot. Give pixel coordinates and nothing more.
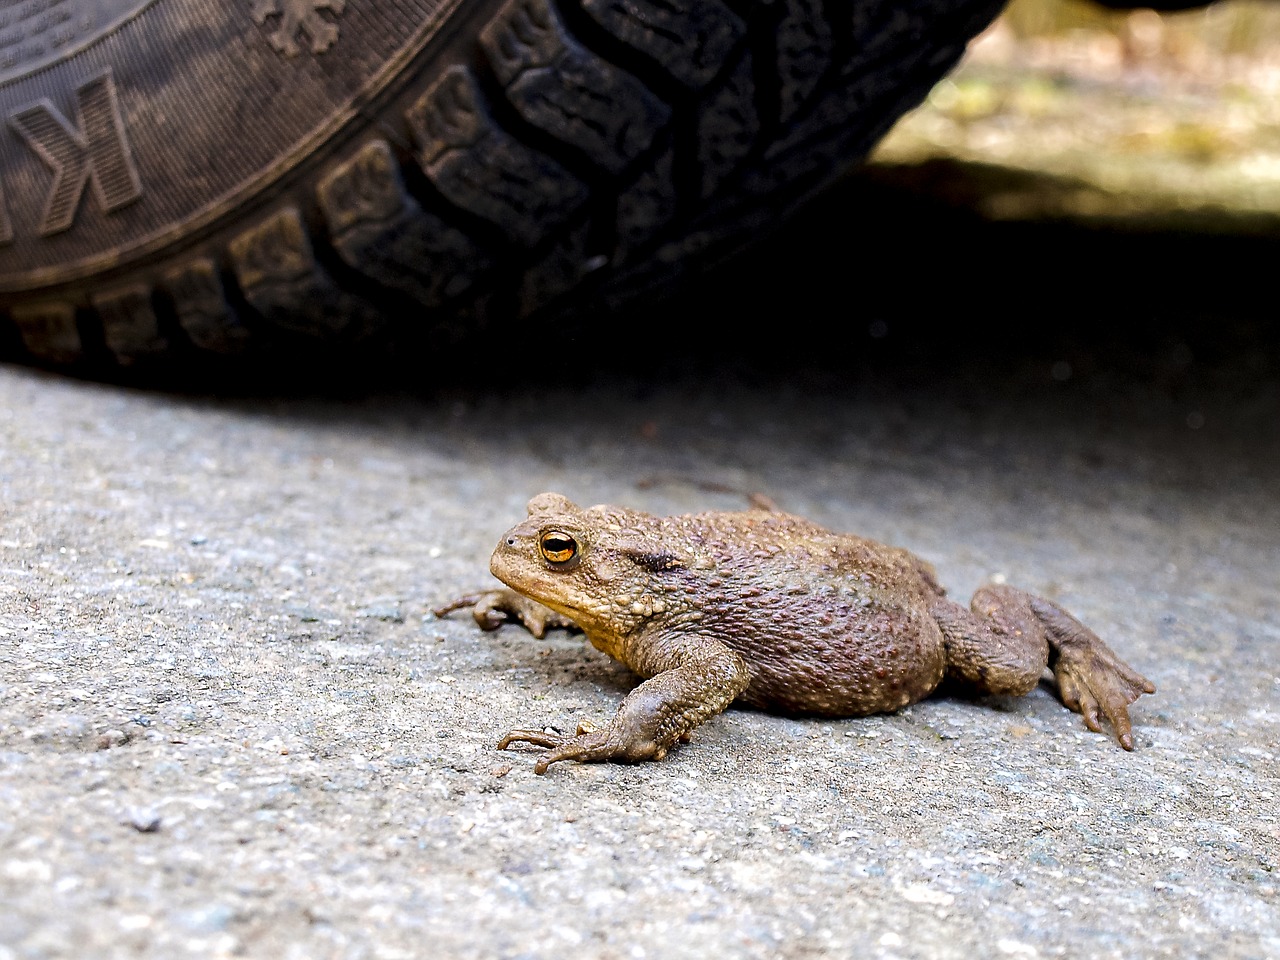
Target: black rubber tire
(193, 178)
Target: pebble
(144, 819)
(111, 738)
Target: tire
(191, 179)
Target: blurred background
(1092, 198)
(1066, 110)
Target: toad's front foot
(492, 608)
(589, 745)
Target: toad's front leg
(690, 681)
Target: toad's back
(830, 624)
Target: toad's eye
(557, 547)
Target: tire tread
(579, 145)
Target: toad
(772, 611)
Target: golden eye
(557, 547)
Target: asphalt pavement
(230, 725)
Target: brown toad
(777, 613)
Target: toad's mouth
(512, 568)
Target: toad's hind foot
(1007, 637)
(1091, 678)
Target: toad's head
(606, 568)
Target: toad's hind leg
(1007, 637)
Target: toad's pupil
(558, 548)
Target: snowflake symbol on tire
(299, 16)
